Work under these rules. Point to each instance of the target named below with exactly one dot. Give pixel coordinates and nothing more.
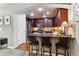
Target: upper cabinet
(63, 15)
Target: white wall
(75, 42)
(9, 9)
(16, 31)
(6, 31)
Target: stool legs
(65, 52)
(31, 50)
(56, 51)
(36, 50)
(68, 52)
(50, 50)
(43, 51)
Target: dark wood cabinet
(43, 22)
(63, 15)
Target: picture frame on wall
(1, 20)
(7, 20)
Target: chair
(33, 42)
(64, 44)
(46, 43)
(3, 41)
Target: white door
(20, 28)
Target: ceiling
(41, 14)
(10, 8)
(27, 8)
(2, 4)
(51, 8)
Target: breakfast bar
(53, 37)
(48, 35)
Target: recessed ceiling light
(32, 14)
(44, 15)
(40, 9)
(47, 13)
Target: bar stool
(46, 43)
(33, 42)
(64, 44)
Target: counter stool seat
(64, 44)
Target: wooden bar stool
(46, 43)
(64, 44)
(33, 42)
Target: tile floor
(17, 52)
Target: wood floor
(24, 46)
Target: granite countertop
(47, 34)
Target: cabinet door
(63, 15)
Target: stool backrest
(46, 40)
(65, 40)
(32, 39)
